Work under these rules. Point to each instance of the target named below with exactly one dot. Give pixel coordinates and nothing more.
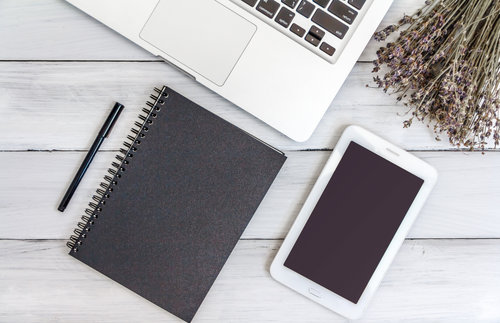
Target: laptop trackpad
(201, 34)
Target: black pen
(106, 128)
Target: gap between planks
(464, 150)
(281, 239)
(101, 61)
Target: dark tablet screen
(353, 223)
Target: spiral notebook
(175, 203)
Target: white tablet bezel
(389, 152)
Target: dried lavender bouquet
(445, 66)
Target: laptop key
(268, 7)
(322, 3)
(343, 11)
(312, 40)
(285, 17)
(315, 35)
(357, 3)
(316, 32)
(251, 3)
(331, 24)
(328, 49)
(297, 30)
(290, 3)
(305, 8)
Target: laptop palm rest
(203, 35)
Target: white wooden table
(60, 72)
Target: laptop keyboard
(322, 26)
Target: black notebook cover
(176, 203)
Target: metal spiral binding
(117, 169)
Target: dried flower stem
(445, 65)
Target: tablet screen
(353, 223)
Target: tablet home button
(314, 292)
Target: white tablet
(353, 222)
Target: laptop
(282, 61)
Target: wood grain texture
(463, 204)
(54, 30)
(68, 101)
(436, 280)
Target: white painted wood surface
(83, 92)
(68, 34)
(60, 71)
(464, 203)
(430, 280)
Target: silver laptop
(281, 60)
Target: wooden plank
(62, 105)
(54, 30)
(463, 204)
(437, 280)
